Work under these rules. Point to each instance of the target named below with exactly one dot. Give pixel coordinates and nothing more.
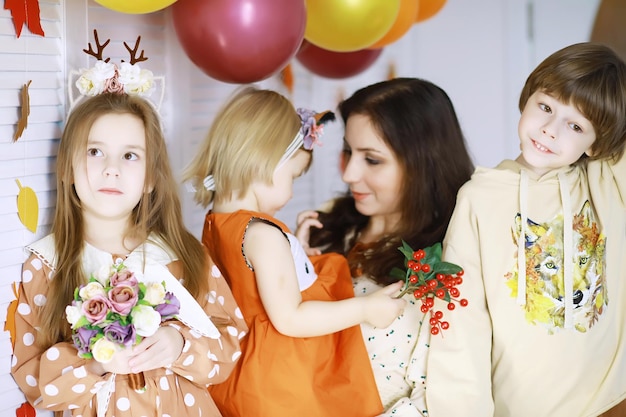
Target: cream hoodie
(553, 342)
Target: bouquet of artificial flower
(114, 311)
(427, 277)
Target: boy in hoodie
(542, 240)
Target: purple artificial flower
(312, 127)
(82, 339)
(170, 307)
(307, 118)
(120, 334)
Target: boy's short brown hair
(592, 77)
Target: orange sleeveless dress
(281, 376)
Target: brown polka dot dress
(56, 378)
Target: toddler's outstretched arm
(268, 251)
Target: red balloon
(240, 41)
(332, 64)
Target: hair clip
(313, 126)
(105, 77)
(309, 133)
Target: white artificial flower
(155, 293)
(103, 350)
(145, 319)
(74, 313)
(93, 80)
(91, 290)
(136, 81)
(103, 274)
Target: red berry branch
(427, 277)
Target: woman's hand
(382, 308)
(305, 220)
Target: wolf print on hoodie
(544, 271)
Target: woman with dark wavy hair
(404, 159)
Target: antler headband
(105, 77)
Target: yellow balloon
(135, 6)
(349, 25)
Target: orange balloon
(428, 8)
(404, 21)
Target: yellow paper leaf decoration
(27, 207)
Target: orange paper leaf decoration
(9, 324)
(22, 123)
(286, 76)
(25, 410)
(25, 12)
(391, 72)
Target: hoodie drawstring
(521, 241)
(568, 258)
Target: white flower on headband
(93, 81)
(136, 81)
(105, 77)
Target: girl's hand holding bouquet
(114, 312)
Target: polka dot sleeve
(55, 378)
(208, 361)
